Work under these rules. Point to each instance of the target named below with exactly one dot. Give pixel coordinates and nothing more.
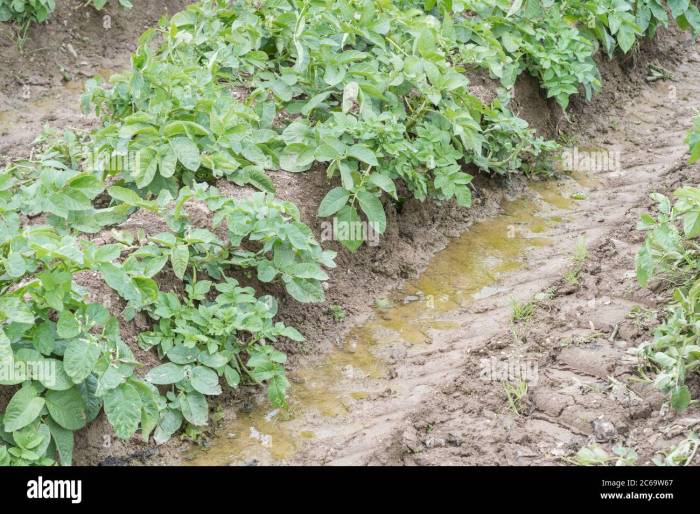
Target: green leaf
(186, 152)
(363, 153)
(626, 37)
(88, 392)
(334, 200)
(168, 164)
(591, 456)
(59, 379)
(232, 377)
(464, 196)
(164, 374)
(373, 209)
(680, 398)
(205, 381)
(302, 57)
(276, 390)
(179, 258)
(282, 90)
(64, 441)
(110, 379)
(296, 157)
(306, 270)
(119, 280)
(691, 223)
(148, 289)
(87, 184)
(678, 7)
(24, 407)
(314, 102)
(695, 153)
(384, 183)
(305, 291)
(150, 409)
(16, 311)
(182, 354)
(292, 333)
(125, 195)
(194, 408)
(15, 265)
(145, 168)
(80, 358)
(201, 289)
(184, 127)
(67, 408)
(213, 361)
(345, 229)
(644, 264)
(67, 326)
(266, 271)
(123, 410)
(6, 354)
(167, 239)
(170, 422)
(334, 74)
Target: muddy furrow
(429, 402)
(587, 388)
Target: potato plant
(373, 91)
(64, 356)
(671, 252)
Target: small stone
(674, 431)
(454, 440)
(603, 430)
(72, 51)
(410, 439)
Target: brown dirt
(52, 77)
(580, 340)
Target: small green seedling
(337, 312)
(515, 395)
(522, 311)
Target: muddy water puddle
(468, 269)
